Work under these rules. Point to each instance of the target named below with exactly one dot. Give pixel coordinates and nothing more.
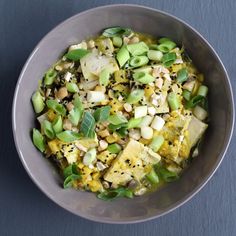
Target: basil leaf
(116, 31)
(58, 108)
(76, 54)
(88, 125)
(112, 194)
(102, 113)
(69, 170)
(165, 174)
(68, 136)
(194, 101)
(69, 180)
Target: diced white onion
(140, 111)
(67, 76)
(157, 123)
(95, 96)
(147, 132)
(151, 111)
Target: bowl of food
(122, 119)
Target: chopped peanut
(67, 125)
(62, 93)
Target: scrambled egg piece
(135, 161)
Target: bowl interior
(148, 21)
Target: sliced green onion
(76, 54)
(138, 61)
(153, 47)
(69, 170)
(168, 59)
(143, 77)
(102, 113)
(182, 75)
(200, 113)
(117, 41)
(202, 91)
(72, 87)
(154, 55)
(104, 77)
(186, 94)
(116, 31)
(135, 96)
(38, 102)
(117, 119)
(50, 77)
(194, 101)
(47, 129)
(75, 115)
(152, 177)
(114, 148)
(89, 157)
(114, 128)
(122, 56)
(112, 194)
(38, 140)
(88, 125)
(77, 102)
(58, 108)
(165, 174)
(156, 143)
(173, 101)
(166, 46)
(57, 124)
(137, 49)
(134, 123)
(163, 40)
(68, 182)
(68, 136)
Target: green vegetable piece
(77, 102)
(57, 124)
(143, 77)
(152, 177)
(72, 87)
(68, 182)
(134, 123)
(117, 41)
(69, 170)
(89, 157)
(122, 56)
(102, 113)
(173, 101)
(112, 194)
(104, 77)
(38, 140)
(156, 143)
(137, 49)
(163, 40)
(182, 75)
(135, 96)
(117, 119)
(154, 55)
(166, 46)
(138, 61)
(76, 54)
(75, 115)
(195, 101)
(168, 59)
(114, 148)
(165, 174)
(38, 102)
(47, 129)
(114, 128)
(58, 108)
(116, 31)
(186, 94)
(88, 125)
(50, 77)
(202, 91)
(68, 136)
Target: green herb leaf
(38, 140)
(76, 54)
(58, 108)
(116, 31)
(87, 125)
(165, 174)
(102, 113)
(195, 101)
(68, 136)
(117, 119)
(69, 180)
(69, 170)
(115, 193)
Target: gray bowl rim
(188, 196)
